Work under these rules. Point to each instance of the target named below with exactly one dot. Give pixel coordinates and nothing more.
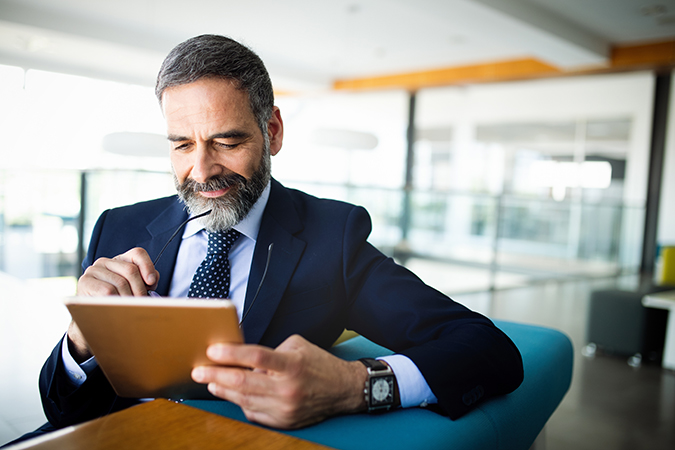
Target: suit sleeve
(462, 355)
(64, 404)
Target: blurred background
(515, 154)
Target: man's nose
(205, 165)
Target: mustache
(215, 183)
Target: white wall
(558, 99)
(555, 100)
(666, 228)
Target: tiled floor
(609, 406)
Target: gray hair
(212, 56)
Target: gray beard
(234, 206)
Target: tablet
(148, 346)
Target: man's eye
(180, 146)
(225, 145)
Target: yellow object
(668, 271)
(345, 336)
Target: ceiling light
(33, 44)
(457, 39)
(136, 144)
(654, 10)
(347, 139)
(354, 8)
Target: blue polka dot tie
(212, 279)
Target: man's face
(219, 156)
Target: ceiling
(309, 44)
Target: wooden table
(665, 300)
(167, 425)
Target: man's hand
(77, 345)
(292, 386)
(131, 273)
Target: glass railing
(462, 241)
(456, 241)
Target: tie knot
(221, 241)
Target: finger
(117, 276)
(286, 423)
(262, 418)
(251, 390)
(140, 258)
(251, 356)
(99, 280)
(124, 275)
(266, 410)
(244, 381)
(247, 402)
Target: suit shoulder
(296, 210)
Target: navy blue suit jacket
(323, 277)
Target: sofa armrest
(511, 421)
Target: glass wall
(532, 180)
(350, 147)
(512, 182)
(38, 230)
(40, 214)
(53, 127)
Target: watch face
(382, 389)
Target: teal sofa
(512, 421)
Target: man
(322, 276)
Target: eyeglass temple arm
(267, 265)
(154, 263)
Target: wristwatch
(381, 389)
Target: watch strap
(374, 364)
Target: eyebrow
(234, 134)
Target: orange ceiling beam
(623, 57)
(496, 71)
(654, 55)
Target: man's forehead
(206, 101)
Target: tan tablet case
(147, 347)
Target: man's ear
(275, 131)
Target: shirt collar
(249, 225)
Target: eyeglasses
(180, 227)
(267, 265)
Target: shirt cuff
(77, 373)
(412, 387)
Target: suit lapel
(160, 230)
(279, 224)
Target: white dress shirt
(413, 389)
